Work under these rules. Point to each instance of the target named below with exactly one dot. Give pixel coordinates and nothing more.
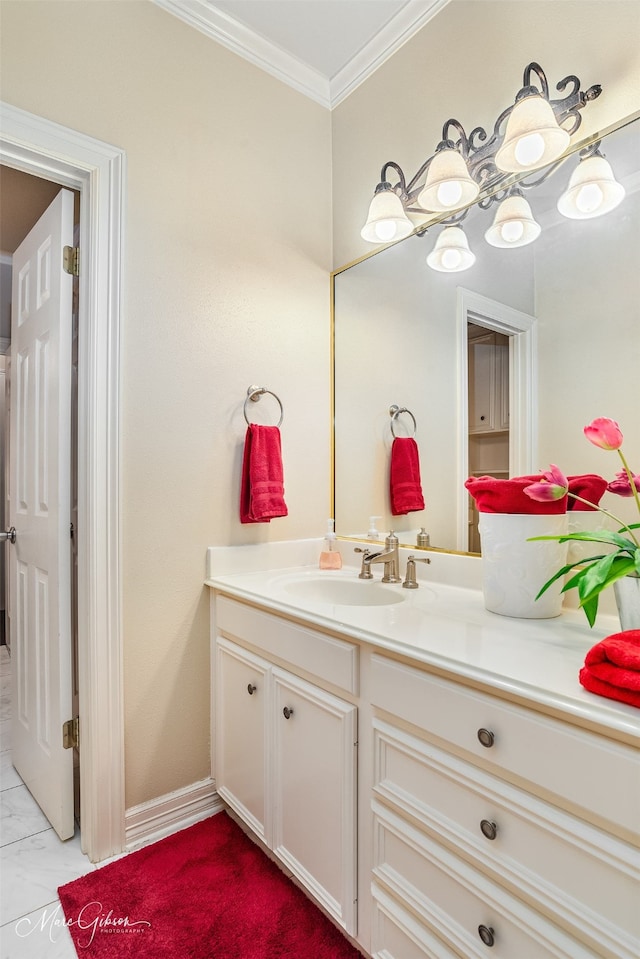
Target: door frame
(522, 331)
(97, 170)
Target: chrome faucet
(389, 556)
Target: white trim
(522, 331)
(383, 45)
(6, 259)
(273, 59)
(160, 817)
(251, 46)
(96, 169)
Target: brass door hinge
(71, 733)
(71, 260)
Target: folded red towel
(494, 495)
(590, 486)
(404, 477)
(612, 667)
(262, 489)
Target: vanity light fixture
(513, 224)
(387, 219)
(451, 254)
(449, 185)
(532, 132)
(593, 189)
(533, 137)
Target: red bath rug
(206, 892)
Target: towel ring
(254, 393)
(394, 413)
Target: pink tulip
(604, 433)
(552, 486)
(622, 486)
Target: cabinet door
(482, 383)
(315, 743)
(242, 708)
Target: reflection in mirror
(558, 344)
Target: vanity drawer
(397, 935)
(326, 657)
(460, 904)
(592, 774)
(579, 875)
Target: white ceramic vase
(627, 593)
(514, 570)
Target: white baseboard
(167, 814)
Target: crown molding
(383, 45)
(240, 39)
(271, 58)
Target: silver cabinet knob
(8, 536)
(251, 689)
(486, 737)
(488, 828)
(487, 935)
(287, 712)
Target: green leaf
(590, 586)
(590, 607)
(637, 560)
(597, 536)
(564, 571)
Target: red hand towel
(404, 477)
(590, 486)
(612, 667)
(262, 489)
(507, 496)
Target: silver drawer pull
(287, 712)
(486, 737)
(488, 828)
(251, 689)
(486, 934)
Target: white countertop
(447, 627)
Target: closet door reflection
(488, 384)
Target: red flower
(604, 433)
(622, 486)
(553, 485)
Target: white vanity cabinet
(286, 747)
(498, 831)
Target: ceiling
(323, 48)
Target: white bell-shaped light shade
(448, 185)
(451, 254)
(532, 137)
(513, 224)
(592, 190)
(387, 220)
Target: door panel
(39, 508)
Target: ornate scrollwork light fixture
(533, 132)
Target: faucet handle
(410, 581)
(365, 569)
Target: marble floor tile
(8, 775)
(5, 734)
(32, 870)
(37, 935)
(20, 815)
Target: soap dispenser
(373, 532)
(423, 538)
(330, 558)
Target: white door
(39, 509)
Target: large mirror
(498, 367)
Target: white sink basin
(345, 592)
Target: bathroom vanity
(433, 774)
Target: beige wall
(226, 275)
(226, 285)
(468, 63)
